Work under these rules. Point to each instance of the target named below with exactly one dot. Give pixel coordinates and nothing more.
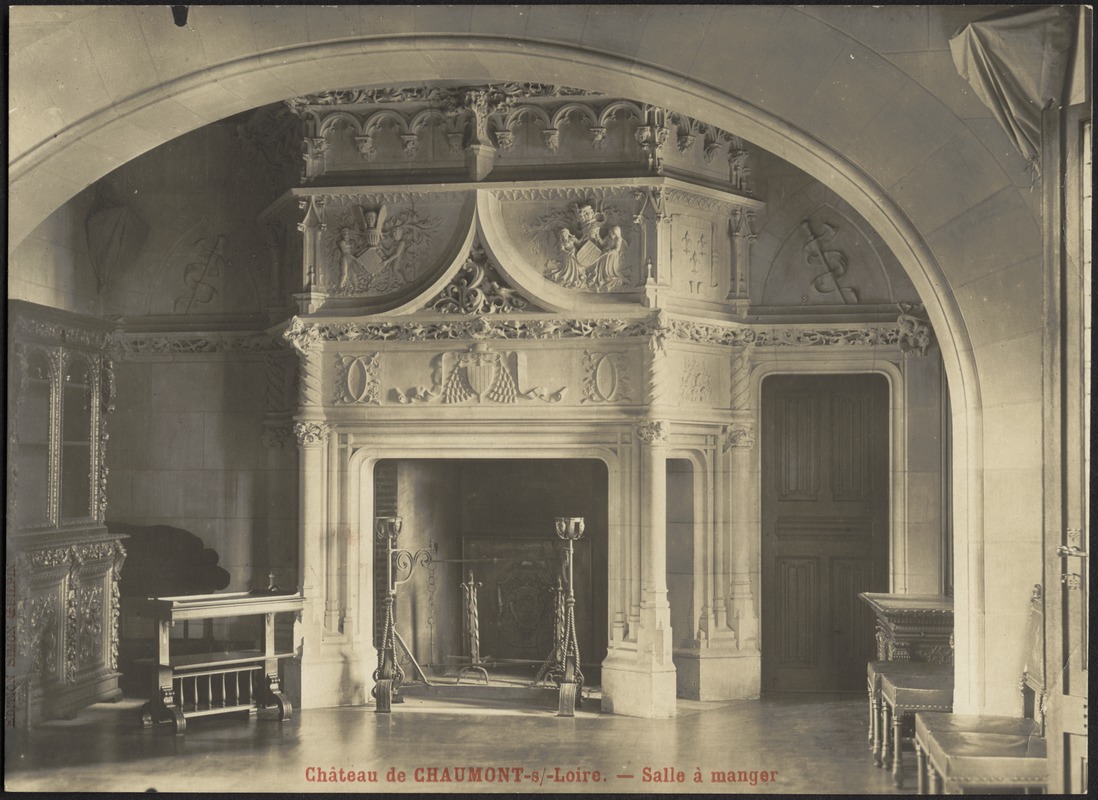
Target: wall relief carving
(372, 251)
(582, 246)
(827, 265)
(356, 379)
(696, 385)
(478, 288)
(605, 378)
(479, 373)
(738, 434)
(202, 276)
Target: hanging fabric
(1015, 62)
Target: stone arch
(52, 161)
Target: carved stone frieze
(127, 344)
(372, 199)
(702, 202)
(478, 289)
(605, 378)
(478, 373)
(582, 246)
(653, 431)
(310, 433)
(356, 379)
(738, 434)
(556, 193)
(438, 94)
(374, 252)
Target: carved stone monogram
(372, 252)
(583, 246)
(827, 266)
(696, 385)
(479, 373)
(202, 276)
(356, 379)
(605, 379)
(478, 288)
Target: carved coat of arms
(480, 373)
(584, 247)
(373, 252)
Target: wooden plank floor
(814, 743)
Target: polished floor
(813, 744)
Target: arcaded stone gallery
(698, 395)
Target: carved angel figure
(377, 255)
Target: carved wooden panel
(798, 594)
(852, 621)
(851, 446)
(798, 422)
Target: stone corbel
(653, 432)
(551, 136)
(598, 136)
(505, 139)
(738, 434)
(365, 146)
(313, 150)
(409, 143)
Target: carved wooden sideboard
(913, 627)
(63, 564)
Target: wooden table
(184, 686)
(913, 627)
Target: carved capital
(653, 431)
(311, 433)
(738, 434)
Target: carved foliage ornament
(583, 246)
(738, 434)
(310, 433)
(478, 289)
(479, 373)
(356, 379)
(653, 431)
(605, 379)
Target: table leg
(920, 766)
(882, 733)
(897, 756)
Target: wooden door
(824, 528)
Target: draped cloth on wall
(1015, 62)
(115, 234)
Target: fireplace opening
(490, 523)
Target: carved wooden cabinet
(63, 564)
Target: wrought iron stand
(388, 677)
(472, 629)
(563, 664)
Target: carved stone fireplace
(526, 272)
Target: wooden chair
(958, 752)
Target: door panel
(825, 527)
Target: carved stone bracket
(311, 433)
(738, 434)
(653, 431)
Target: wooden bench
(960, 752)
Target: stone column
(641, 682)
(739, 438)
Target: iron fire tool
(389, 676)
(472, 629)
(563, 664)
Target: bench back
(1033, 670)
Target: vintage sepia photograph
(596, 399)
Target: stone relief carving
(438, 94)
(605, 378)
(371, 252)
(480, 373)
(55, 333)
(582, 245)
(828, 266)
(653, 431)
(356, 379)
(697, 382)
(478, 288)
(915, 335)
(693, 252)
(738, 434)
(309, 433)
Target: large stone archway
(748, 69)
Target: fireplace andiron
(388, 677)
(563, 664)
